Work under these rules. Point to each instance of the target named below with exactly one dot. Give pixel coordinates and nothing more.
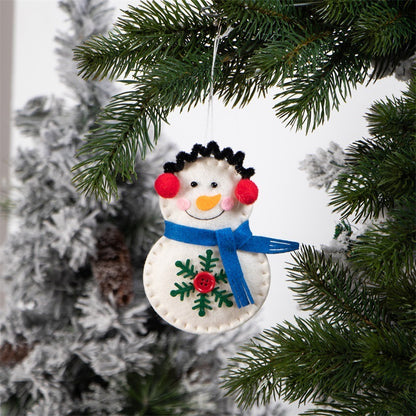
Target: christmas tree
(316, 51)
(78, 336)
(355, 354)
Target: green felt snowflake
(205, 283)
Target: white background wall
(287, 207)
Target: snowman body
(187, 284)
(161, 280)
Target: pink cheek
(227, 203)
(183, 204)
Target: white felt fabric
(160, 272)
(204, 171)
(160, 277)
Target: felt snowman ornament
(208, 273)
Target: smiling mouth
(204, 219)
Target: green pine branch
(168, 83)
(394, 117)
(259, 19)
(144, 36)
(159, 393)
(383, 29)
(360, 190)
(399, 296)
(343, 13)
(100, 56)
(315, 51)
(122, 130)
(308, 102)
(267, 366)
(382, 257)
(328, 290)
(313, 360)
(381, 170)
(290, 56)
(356, 353)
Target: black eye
(193, 184)
(214, 184)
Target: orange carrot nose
(205, 203)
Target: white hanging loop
(209, 130)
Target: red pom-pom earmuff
(246, 191)
(167, 185)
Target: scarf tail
(229, 257)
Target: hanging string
(208, 11)
(209, 129)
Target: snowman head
(207, 188)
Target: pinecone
(13, 354)
(112, 266)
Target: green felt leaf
(208, 262)
(202, 304)
(184, 290)
(186, 270)
(222, 297)
(221, 277)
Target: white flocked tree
(78, 336)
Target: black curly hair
(211, 149)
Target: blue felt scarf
(228, 242)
